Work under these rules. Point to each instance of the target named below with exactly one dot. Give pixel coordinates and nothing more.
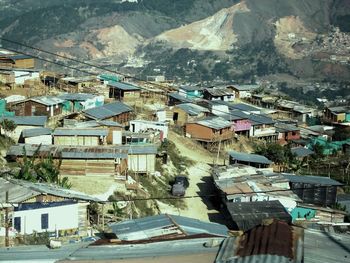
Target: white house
(39, 207)
(22, 75)
(39, 135)
(24, 122)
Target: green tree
(41, 169)
(8, 125)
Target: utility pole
(217, 157)
(7, 227)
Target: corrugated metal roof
(249, 259)
(214, 123)
(301, 151)
(340, 109)
(218, 92)
(311, 179)
(259, 119)
(98, 123)
(192, 109)
(69, 152)
(179, 97)
(194, 226)
(245, 87)
(244, 107)
(19, 56)
(108, 110)
(20, 190)
(285, 127)
(47, 100)
(26, 133)
(250, 214)
(234, 115)
(190, 88)
(275, 242)
(139, 149)
(27, 120)
(164, 224)
(123, 86)
(249, 157)
(76, 96)
(80, 132)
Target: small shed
(123, 91)
(246, 215)
(255, 160)
(141, 158)
(16, 61)
(218, 94)
(209, 130)
(38, 106)
(175, 98)
(74, 102)
(243, 91)
(116, 111)
(317, 190)
(165, 227)
(115, 129)
(185, 112)
(39, 135)
(287, 132)
(191, 91)
(80, 136)
(24, 122)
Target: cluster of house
(250, 192)
(92, 133)
(210, 115)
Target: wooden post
(7, 227)
(103, 218)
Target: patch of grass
(161, 189)
(5, 142)
(180, 162)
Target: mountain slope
(196, 39)
(212, 33)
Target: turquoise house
(191, 92)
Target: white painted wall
(94, 102)
(17, 132)
(219, 109)
(42, 139)
(117, 137)
(144, 163)
(141, 125)
(21, 76)
(245, 94)
(60, 218)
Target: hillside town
(110, 167)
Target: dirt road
(198, 206)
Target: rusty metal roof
(276, 241)
(273, 239)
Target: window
(17, 223)
(44, 221)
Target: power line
(50, 61)
(207, 195)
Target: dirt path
(192, 150)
